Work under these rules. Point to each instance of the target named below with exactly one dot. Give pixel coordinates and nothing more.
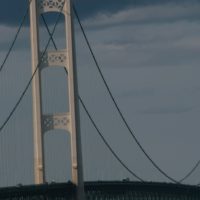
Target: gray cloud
(173, 109)
(162, 13)
(138, 93)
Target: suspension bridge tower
(69, 121)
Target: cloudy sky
(149, 53)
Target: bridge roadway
(124, 190)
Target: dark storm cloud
(12, 11)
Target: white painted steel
(36, 96)
(56, 121)
(76, 152)
(69, 121)
(55, 58)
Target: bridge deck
(104, 190)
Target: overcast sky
(149, 53)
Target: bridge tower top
(68, 121)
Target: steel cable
(153, 162)
(30, 81)
(91, 119)
(117, 106)
(15, 38)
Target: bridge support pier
(44, 122)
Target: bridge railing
(103, 191)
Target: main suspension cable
(116, 105)
(122, 116)
(30, 81)
(27, 86)
(15, 37)
(107, 144)
(92, 121)
(190, 172)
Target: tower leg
(76, 153)
(36, 96)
